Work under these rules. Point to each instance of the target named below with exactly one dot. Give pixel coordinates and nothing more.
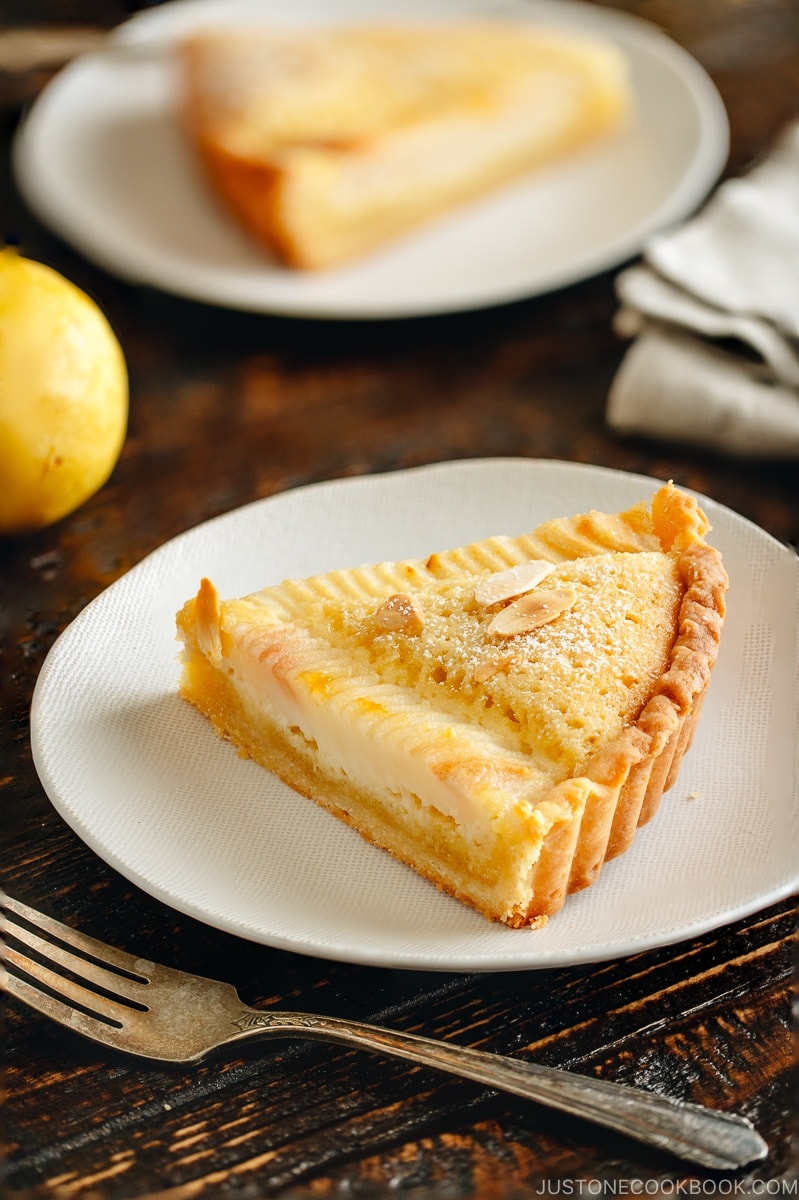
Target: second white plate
(144, 781)
(101, 160)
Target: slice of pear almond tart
(500, 717)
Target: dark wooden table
(226, 408)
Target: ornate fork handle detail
(712, 1138)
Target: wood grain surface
(228, 407)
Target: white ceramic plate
(100, 159)
(140, 776)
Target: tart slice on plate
(325, 144)
(500, 717)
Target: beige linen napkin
(713, 311)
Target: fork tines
(66, 975)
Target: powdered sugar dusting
(562, 689)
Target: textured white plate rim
(498, 948)
(381, 288)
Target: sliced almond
(495, 666)
(207, 621)
(513, 581)
(401, 613)
(530, 611)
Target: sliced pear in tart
(500, 717)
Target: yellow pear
(63, 395)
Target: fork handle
(714, 1139)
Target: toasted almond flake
(401, 613)
(513, 581)
(495, 666)
(530, 611)
(206, 616)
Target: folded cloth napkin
(713, 311)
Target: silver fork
(160, 1013)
